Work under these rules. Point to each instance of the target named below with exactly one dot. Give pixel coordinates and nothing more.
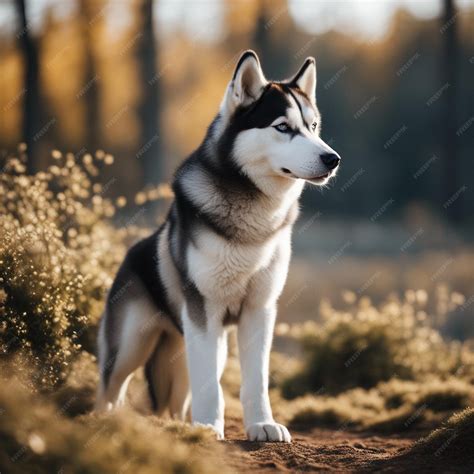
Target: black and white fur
(220, 258)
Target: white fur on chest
(222, 270)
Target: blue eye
(282, 127)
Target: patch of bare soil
(322, 450)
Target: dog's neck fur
(245, 210)
(273, 195)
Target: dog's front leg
(255, 336)
(206, 349)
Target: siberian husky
(220, 258)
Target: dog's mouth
(321, 178)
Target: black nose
(331, 160)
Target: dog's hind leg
(136, 334)
(180, 396)
(167, 376)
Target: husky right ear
(248, 80)
(305, 78)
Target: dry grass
(36, 437)
(453, 439)
(445, 449)
(391, 407)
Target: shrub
(365, 345)
(58, 252)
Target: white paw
(218, 431)
(268, 432)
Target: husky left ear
(305, 78)
(248, 80)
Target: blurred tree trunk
(262, 41)
(273, 52)
(450, 169)
(31, 85)
(150, 147)
(90, 92)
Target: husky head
(273, 127)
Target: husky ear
(248, 80)
(305, 78)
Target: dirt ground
(322, 450)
